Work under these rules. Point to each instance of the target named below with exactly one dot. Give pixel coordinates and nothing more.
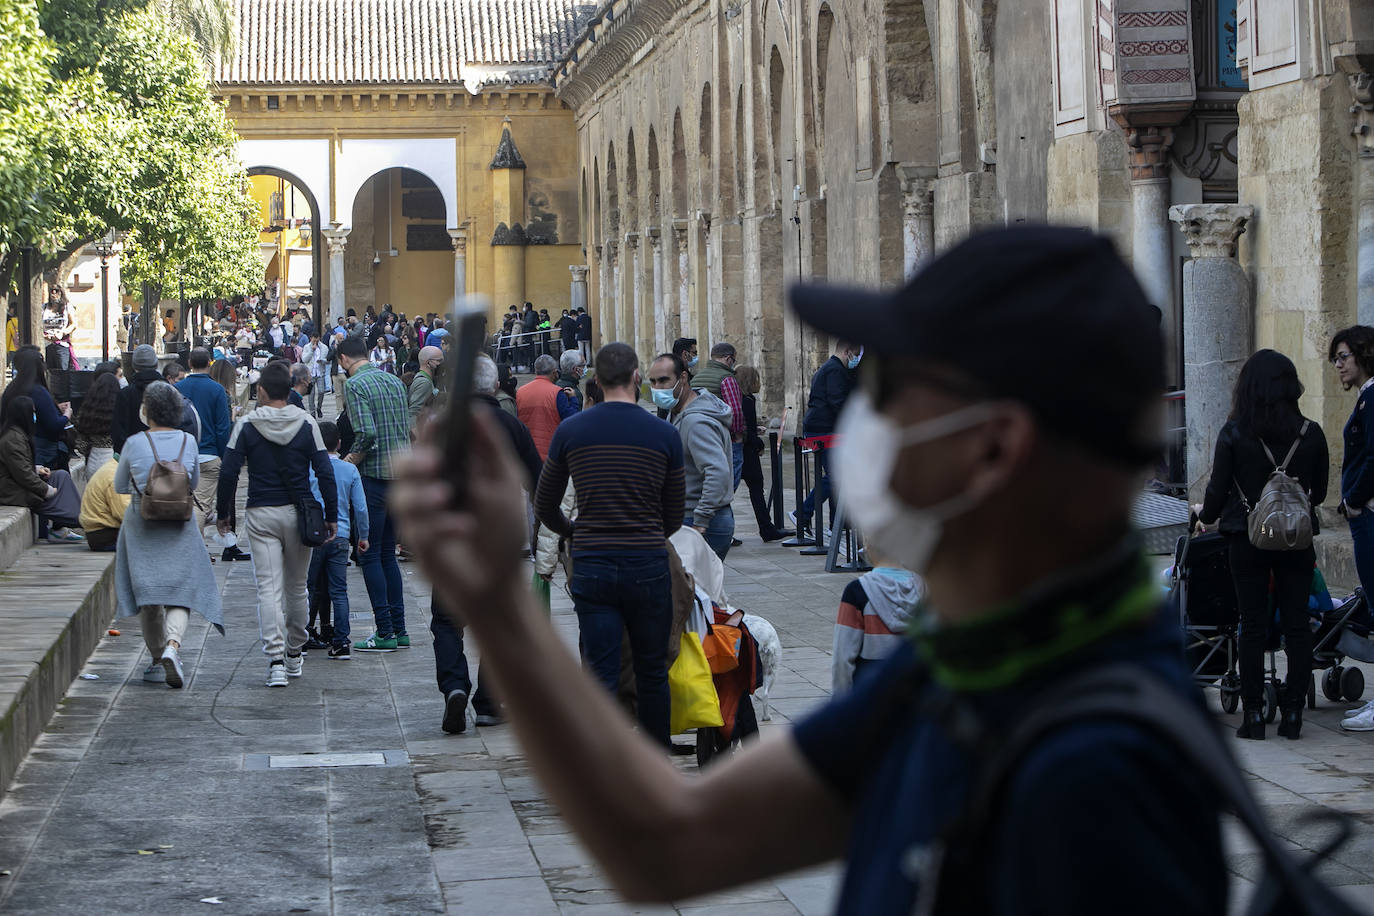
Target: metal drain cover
(326, 759)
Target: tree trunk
(148, 320)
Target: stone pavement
(137, 797)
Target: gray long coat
(161, 562)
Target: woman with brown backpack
(162, 571)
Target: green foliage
(122, 132)
(25, 92)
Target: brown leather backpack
(166, 497)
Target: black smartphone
(469, 332)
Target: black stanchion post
(799, 482)
(818, 521)
(775, 467)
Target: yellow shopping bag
(691, 690)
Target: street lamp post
(105, 247)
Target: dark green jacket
(711, 375)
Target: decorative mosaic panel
(1145, 52)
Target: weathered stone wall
(777, 134)
(1088, 184)
(1296, 168)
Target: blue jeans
(737, 458)
(381, 572)
(627, 593)
(818, 494)
(719, 531)
(451, 662)
(329, 569)
(1362, 534)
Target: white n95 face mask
(864, 461)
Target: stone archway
(399, 249)
(316, 217)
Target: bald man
(423, 388)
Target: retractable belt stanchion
(775, 467)
(818, 444)
(799, 465)
(855, 561)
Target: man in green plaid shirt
(378, 410)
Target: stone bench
(56, 601)
(16, 534)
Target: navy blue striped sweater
(626, 465)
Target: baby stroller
(1202, 587)
(1343, 631)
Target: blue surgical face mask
(692, 363)
(854, 360)
(664, 398)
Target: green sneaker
(402, 641)
(376, 643)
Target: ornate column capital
(1148, 152)
(1362, 87)
(336, 238)
(460, 241)
(655, 236)
(612, 251)
(579, 272)
(918, 190)
(632, 241)
(681, 228)
(1211, 230)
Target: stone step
(16, 534)
(56, 601)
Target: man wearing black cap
(1008, 404)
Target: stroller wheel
(1312, 691)
(1230, 694)
(1270, 707)
(1352, 683)
(1331, 683)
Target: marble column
(629, 317)
(577, 293)
(660, 337)
(681, 230)
(918, 217)
(337, 239)
(1217, 326)
(1151, 242)
(460, 263)
(617, 295)
(1362, 86)
(603, 287)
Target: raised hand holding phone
(469, 329)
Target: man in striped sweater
(626, 465)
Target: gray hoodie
(890, 595)
(709, 468)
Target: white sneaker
(1356, 710)
(1360, 722)
(171, 663)
(294, 665)
(276, 674)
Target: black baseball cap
(1046, 315)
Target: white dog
(770, 653)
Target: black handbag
(310, 523)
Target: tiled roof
(389, 42)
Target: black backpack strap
(1131, 692)
(1294, 450)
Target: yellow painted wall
(542, 128)
(295, 207)
(414, 282)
